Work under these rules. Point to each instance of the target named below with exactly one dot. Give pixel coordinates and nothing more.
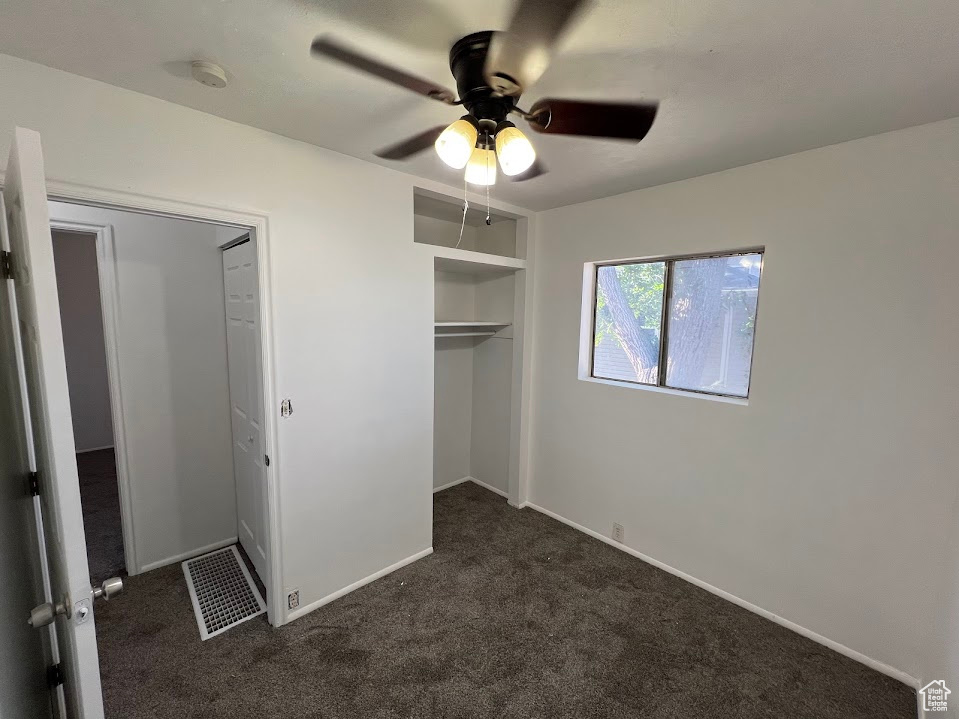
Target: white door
(49, 432)
(243, 355)
(25, 653)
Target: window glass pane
(629, 310)
(712, 315)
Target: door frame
(258, 225)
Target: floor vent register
(222, 591)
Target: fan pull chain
(466, 205)
(487, 190)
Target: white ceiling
(739, 80)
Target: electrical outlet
(293, 599)
(617, 532)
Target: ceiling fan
(492, 69)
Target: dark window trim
(669, 261)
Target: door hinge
(55, 675)
(34, 484)
(6, 265)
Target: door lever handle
(110, 588)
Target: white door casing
(37, 305)
(246, 406)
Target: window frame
(669, 262)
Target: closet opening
(479, 302)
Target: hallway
(102, 525)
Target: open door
(24, 653)
(44, 442)
(246, 406)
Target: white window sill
(667, 390)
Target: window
(686, 323)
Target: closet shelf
(451, 259)
(468, 328)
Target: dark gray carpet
(514, 615)
(100, 498)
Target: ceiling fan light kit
(492, 69)
(457, 147)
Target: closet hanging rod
(464, 334)
(466, 323)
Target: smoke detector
(208, 73)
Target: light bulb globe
(481, 168)
(514, 150)
(455, 144)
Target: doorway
(58, 655)
(157, 393)
(81, 317)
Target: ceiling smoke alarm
(208, 73)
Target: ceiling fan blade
(411, 145)
(535, 170)
(326, 47)
(518, 57)
(623, 121)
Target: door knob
(44, 614)
(110, 588)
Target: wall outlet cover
(293, 599)
(618, 532)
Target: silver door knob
(44, 614)
(250, 439)
(110, 588)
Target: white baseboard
(306, 609)
(491, 488)
(808, 633)
(187, 555)
(451, 484)
(94, 449)
(484, 485)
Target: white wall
(434, 231)
(490, 422)
(454, 300)
(78, 285)
(826, 500)
(942, 630)
(355, 458)
(452, 410)
(498, 238)
(174, 386)
(493, 372)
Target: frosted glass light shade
(455, 144)
(481, 168)
(515, 152)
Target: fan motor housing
(467, 61)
